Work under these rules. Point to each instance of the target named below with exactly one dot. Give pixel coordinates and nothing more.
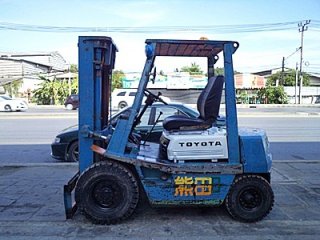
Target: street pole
(296, 85)
(302, 27)
(282, 72)
(69, 79)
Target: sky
(259, 50)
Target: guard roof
(189, 48)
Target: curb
(277, 105)
(53, 164)
(34, 106)
(222, 105)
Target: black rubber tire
(73, 152)
(107, 193)
(122, 104)
(250, 198)
(7, 108)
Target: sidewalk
(31, 207)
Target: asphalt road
(25, 137)
(31, 199)
(292, 137)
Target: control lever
(155, 122)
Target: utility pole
(296, 85)
(69, 79)
(282, 72)
(302, 27)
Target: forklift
(197, 161)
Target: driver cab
(184, 137)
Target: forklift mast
(96, 62)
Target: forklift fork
(69, 203)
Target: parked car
(72, 102)
(65, 145)
(8, 104)
(122, 98)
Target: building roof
(51, 59)
(14, 66)
(269, 72)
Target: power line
(240, 28)
(292, 53)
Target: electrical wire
(240, 28)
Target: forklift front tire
(107, 193)
(250, 198)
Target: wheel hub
(105, 195)
(250, 199)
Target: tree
(273, 95)
(53, 92)
(288, 79)
(117, 77)
(74, 85)
(74, 68)
(220, 71)
(45, 94)
(193, 69)
(243, 97)
(12, 88)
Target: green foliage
(12, 88)
(74, 86)
(51, 92)
(273, 95)
(288, 79)
(243, 98)
(74, 68)
(194, 69)
(220, 71)
(117, 77)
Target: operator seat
(208, 105)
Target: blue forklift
(197, 161)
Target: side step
(70, 205)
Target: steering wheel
(156, 97)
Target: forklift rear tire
(107, 193)
(250, 198)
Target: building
(249, 81)
(314, 79)
(27, 67)
(309, 94)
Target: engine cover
(210, 144)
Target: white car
(8, 104)
(122, 98)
